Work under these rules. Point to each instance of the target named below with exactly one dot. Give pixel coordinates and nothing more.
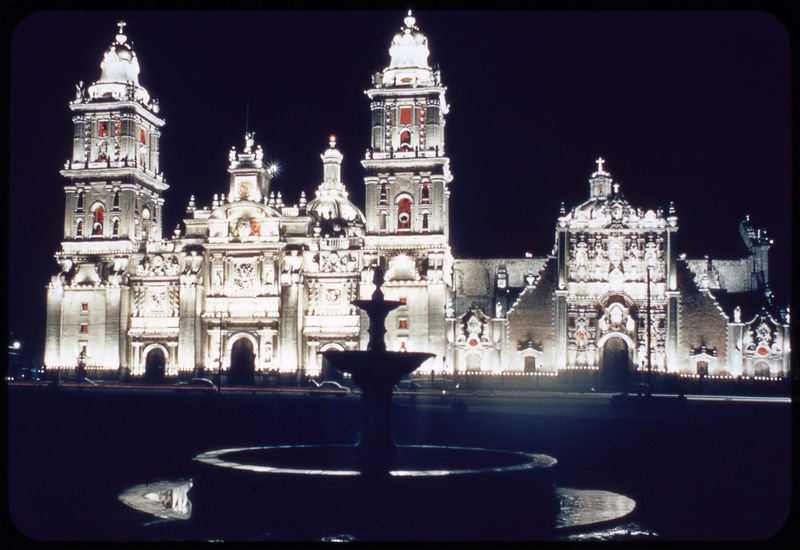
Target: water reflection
(628, 531)
(163, 499)
(586, 506)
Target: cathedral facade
(252, 285)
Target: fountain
(377, 489)
(376, 372)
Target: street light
(649, 338)
(219, 366)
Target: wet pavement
(695, 470)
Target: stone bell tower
(114, 185)
(112, 212)
(407, 195)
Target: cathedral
(253, 285)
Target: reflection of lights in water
(628, 531)
(163, 499)
(531, 461)
(584, 506)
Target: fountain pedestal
(376, 372)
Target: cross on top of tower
(121, 25)
(600, 161)
(616, 188)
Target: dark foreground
(697, 470)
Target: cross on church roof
(121, 24)
(600, 161)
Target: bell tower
(114, 189)
(407, 197)
(407, 171)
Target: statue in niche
(737, 315)
(600, 271)
(498, 309)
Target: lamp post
(219, 365)
(649, 338)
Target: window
(97, 226)
(405, 138)
(80, 200)
(426, 192)
(382, 199)
(377, 117)
(404, 214)
(432, 115)
(142, 136)
(402, 301)
(79, 229)
(84, 307)
(115, 228)
(384, 221)
(84, 328)
(702, 368)
(403, 323)
(102, 151)
(102, 129)
(405, 115)
(425, 217)
(115, 203)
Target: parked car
(328, 386)
(408, 385)
(196, 384)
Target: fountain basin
(308, 492)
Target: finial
(332, 141)
(616, 188)
(600, 161)
(562, 210)
(409, 20)
(121, 38)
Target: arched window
(102, 151)
(97, 224)
(115, 203)
(405, 139)
(426, 192)
(79, 229)
(383, 199)
(425, 217)
(115, 228)
(80, 200)
(404, 214)
(384, 221)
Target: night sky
(690, 107)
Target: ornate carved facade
(252, 281)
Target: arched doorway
(243, 362)
(327, 372)
(616, 364)
(473, 362)
(154, 365)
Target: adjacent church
(254, 285)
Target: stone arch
(242, 353)
(155, 362)
(326, 371)
(98, 214)
(616, 360)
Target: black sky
(690, 107)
